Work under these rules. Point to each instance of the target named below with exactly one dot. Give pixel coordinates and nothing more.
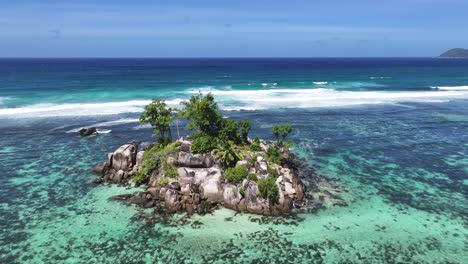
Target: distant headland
(455, 53)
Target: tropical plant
(274, 155)
(281, 131)
(244, 127)
(160, 117)
(236, 174)
(252, 177)
(227, 153)
(268, 189)
(255, 146)
(150, 162)
(203, 113)
(229, 131)
(203, 144)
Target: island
(455, 53)
(216, 165)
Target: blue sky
(225, 28)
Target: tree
(282, 130)
(227, 153)
(229, 131)
(244, 127)
(204, 114)
(160, 117)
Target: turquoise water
(382, 131)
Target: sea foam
(451, 88)
(312, 98)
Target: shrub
(229, 131)
(256, 145)
(268, 189)
(237, 174)
(169, 170)
(252, 177)
(163, 181)
(203, 144)
(244, 127)
(274, 154)
(150, 162)
(273, 172)
(227, 153)
(173, 147)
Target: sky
(238, 28)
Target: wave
(230, 100)
(320, 83)
(451, 88)
(312, 98)
(79, 109)
(379, 77)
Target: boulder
(124, 157)
(289, 190)
(231, 196)
(252, 202)
(210, 181)
(101, 169)
(185, 146)
(84, 132)
(172, 201)
(195, 160)
(118, 176)
(139, 158)
(261, 167)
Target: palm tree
(227, 153)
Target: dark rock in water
(84, 132)
(101, 169)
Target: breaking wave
(451, 88)
(312, 98)
(229, 100)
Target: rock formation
(200, 181)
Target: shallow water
(404, 164)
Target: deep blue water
(391, 131)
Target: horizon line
(227, 57)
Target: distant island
(455, 53)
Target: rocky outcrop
(201, 183)
(84, 132)
(121, 164)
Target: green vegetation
(252, 177)
(163, 182)
(203, 144)
(160, 117)
(268, 189)
(227, 153)
(242, 191)
(244, 127)
(237, 174)
(228, 139)
(273, 172)
(203, 113)
(148, 165)
(281, 131)
(255, 145)
(274, 155)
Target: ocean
(392, 131)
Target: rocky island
(455, 53)
(217, 165)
